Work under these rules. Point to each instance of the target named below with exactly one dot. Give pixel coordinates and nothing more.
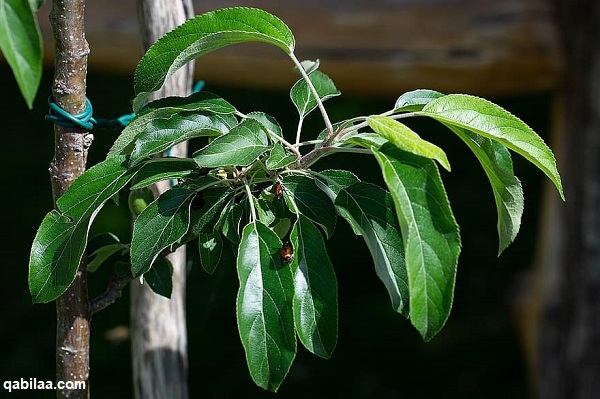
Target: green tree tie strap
(85, 119)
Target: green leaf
(337, 180)
(21, 44)
(160, 277)
(508, 193)
(302, 96)
(415, 100)
(270, 123)
(265, 210)
(264, 306)
(36, 4)
(315, 302)
(205, 33)
(160, 134)
(489, 120)
(230, 223)
(159, 169)
(165, 108)
(240, 147)
(366, 140)
(371, 210)
(430, 234)
(207, 207)
(331, 182)
(59, 243)
(312, 202)
(160, 225)
(404, 138)
(210, 248)
(201, 101)
(101, 247)
(309, 66)
(101, 255)
(278, 159)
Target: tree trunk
(71, 147)
(159, 337)
(569, 359)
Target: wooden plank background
(381, 47)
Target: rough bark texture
(159, 337)
(71, 146)
(569, 362)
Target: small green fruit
(139, 199)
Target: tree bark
(159, 336)
(569, 360)
(71, 147)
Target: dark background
(379, 354)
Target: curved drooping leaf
(490, 120)
(207, 207)
(508, 193)
(240, 147)
(205, 33)
(415, 100)
(165, 108)
(159, 169)
(99, 256)
(160, 134)
(312, 202)
(370, 208)
(331, 182)
(264, 306)
(160, 277)
(210, 248)
(59, 243)
(315, 305)
(302, 96)
(21, 44)
(159, 225)
(101, 247)
(404, 138)
(430, 234)
(230, 223)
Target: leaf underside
(430, 234)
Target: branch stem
(112, 293)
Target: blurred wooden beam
(373, 47)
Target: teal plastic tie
(198, 86)
(85, 119)
(61, 117)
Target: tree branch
(113, 292)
